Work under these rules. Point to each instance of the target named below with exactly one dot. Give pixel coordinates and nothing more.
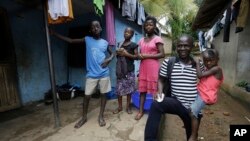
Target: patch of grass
(242, 83)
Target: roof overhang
(209, 12)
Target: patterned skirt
(126, 85)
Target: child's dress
(149, 68)
(208, 88)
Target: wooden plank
(8, 88)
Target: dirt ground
(215, 123)
(36, 122)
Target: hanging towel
(110, 23)
(98, 6)
(60, 11)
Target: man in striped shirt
(183, 90)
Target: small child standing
(208, 86)
(126, 52)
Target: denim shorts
(197, 106)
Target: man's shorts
(92, 83)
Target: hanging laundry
(119, 4)
(98, 6)
(242, 16)
(211, 33)
(60, 11)
(110, 23)
(140, 14)
(227, 25)
(129, 9)
(217, 28)
(201, 37)
(208, 38)
(235, 10)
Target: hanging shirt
(129, 9)
(60, 11)
(98, 6)
(58, 8)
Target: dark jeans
(169, 105)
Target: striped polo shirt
(183, 81)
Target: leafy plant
(242, 84)
(180, 15)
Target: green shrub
(242, 83)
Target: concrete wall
(243, 59)
(235, 54)
(234, 59)
(228, 55)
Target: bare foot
(191, 138)
(139, 116)
(118, 110)
(80, 122)
(101, 121)
(129, 111)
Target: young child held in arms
(208, 86)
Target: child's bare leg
(195, 127)
(141, 110)
(119, 109)
(128, 109)
(85, 111)
(102, 108)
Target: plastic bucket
(111, 94)
(136, 100)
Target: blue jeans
(169, 105)
(197, 106)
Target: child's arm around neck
(216, 71)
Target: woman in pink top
(208, 86)
(151, 50)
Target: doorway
(9, 98)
